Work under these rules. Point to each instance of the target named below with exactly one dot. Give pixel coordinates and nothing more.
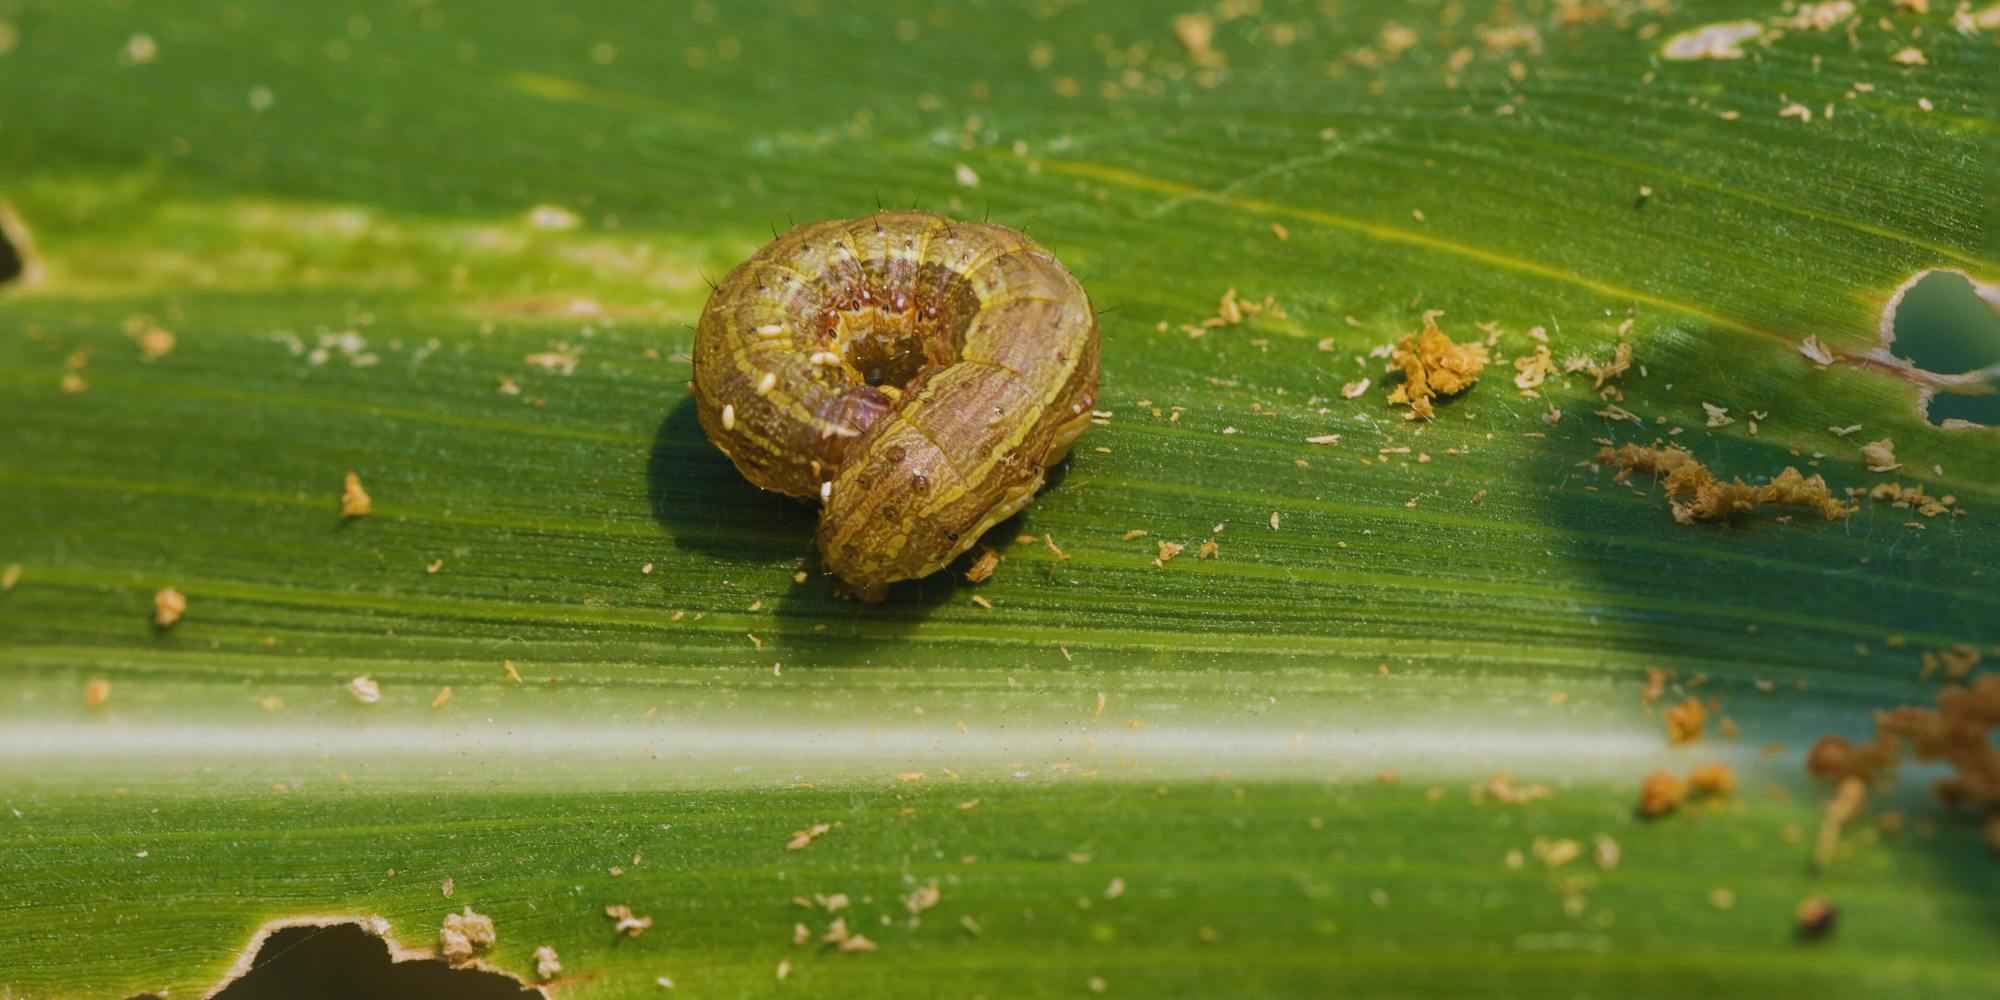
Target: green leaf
(458, 250)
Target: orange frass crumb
(354, 501)
(1695, 494)
(1656, 685)
(1684, 721)
(464, 936)
(1660, 794)
(1815, 918)
(1958, 732)
(982, 568)
(168, 607)
(1712, 779)
(1433, 366)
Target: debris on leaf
(1847, 801)
(1605, 853)
(1958, 732)
(1835, 758)
(1049, 542)
(1684, 721)
(354, 501)
(1823, 16)
(96, 693)
(1723, 40)
(553, 217)
(1620, 363)
(1196, 32)
(1816, 351)
(1501, 787)
(139, 50)
(1814, 918)
(1556, 853)
(922, 898)
(1433, 366)
(154, 343)
(1656, 685)
(1531, 370)
(1232, 311)
(547, 964)
(1956, 661)
(1695, 494)
(841, 938)
(1911, 498)
(168, 606)
(464, 936)
(1660, 794)
(628, 925)
(1712, 779)
(982, 568)
(802, 838)
(1880, 456)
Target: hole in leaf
(1951, 408)
(343, 961)
(1943, 323)
(1945, 329)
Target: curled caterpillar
(912, 375)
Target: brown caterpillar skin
(913, 375)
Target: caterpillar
(913, 375)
